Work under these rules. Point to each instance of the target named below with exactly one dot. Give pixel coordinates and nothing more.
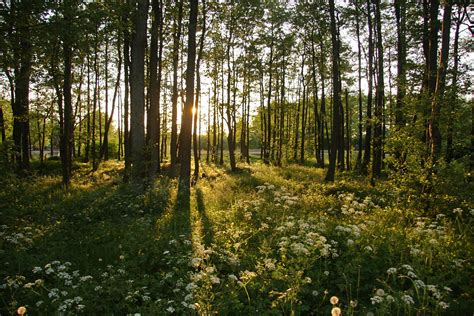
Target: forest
(236, 157)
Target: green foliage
(264, 240)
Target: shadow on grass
(207, 226)
(92, 227)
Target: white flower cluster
(21, 240)
(351, 205)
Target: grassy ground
(264, 240)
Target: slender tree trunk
(104, 148)
(335, 137)
(317, 118)
(266, 154)
(400, 13)
(368, 127)
(303, 121)
(198, 92)
(137, 90)
(153, 124)
(359, 77)
(174, 109)
(2, 125)
(185, 145)
(377, 151)
(230, 109)
(348, 133)
(126, 68)
(68, 136)
(453, 93)
(434, 131)
(94, 108)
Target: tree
(137, 88)
(174, 109)
(337, 103)
(153, 124)
(377, 151)
(185, 172)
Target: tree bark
(137, 89)
(174, 109)
(185, 145)
(368, 127)
(153, 124)
(377, 151)
(335, 137)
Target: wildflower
(98, 288)
(334, 300)
(380, 292)
(392, 270)
(215, 280)
(232, 277)
(457, 211)
(336, 311)
(308, 280)
(353, 303)
(85, 278)
(191, 286)
(411, 274)
(443, 305)
(390, 298)
(269, 264)
(376, 299)
(166, 252)
(326, 273)
(368, 249)
(21, 310)
(170, 309)
(407, 299)
(419, 283)
(195, 262)
(350, 242)
(407, 267)
(37, 269)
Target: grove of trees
(370, 86)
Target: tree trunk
(230, 109)
(335, 137)
(67, 141)
(368, 127)
(126, 68)
(377, 151)
(153, 124)
(434, 131)
(198, 92)
(185, 145)
(137, 90)
(359, 77)
(174, 110)
(454, 86)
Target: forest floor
(263, 240)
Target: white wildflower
(407, 299)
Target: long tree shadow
(94, 227)
(206, 223)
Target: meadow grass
(262, 240)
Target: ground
(263, 240)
